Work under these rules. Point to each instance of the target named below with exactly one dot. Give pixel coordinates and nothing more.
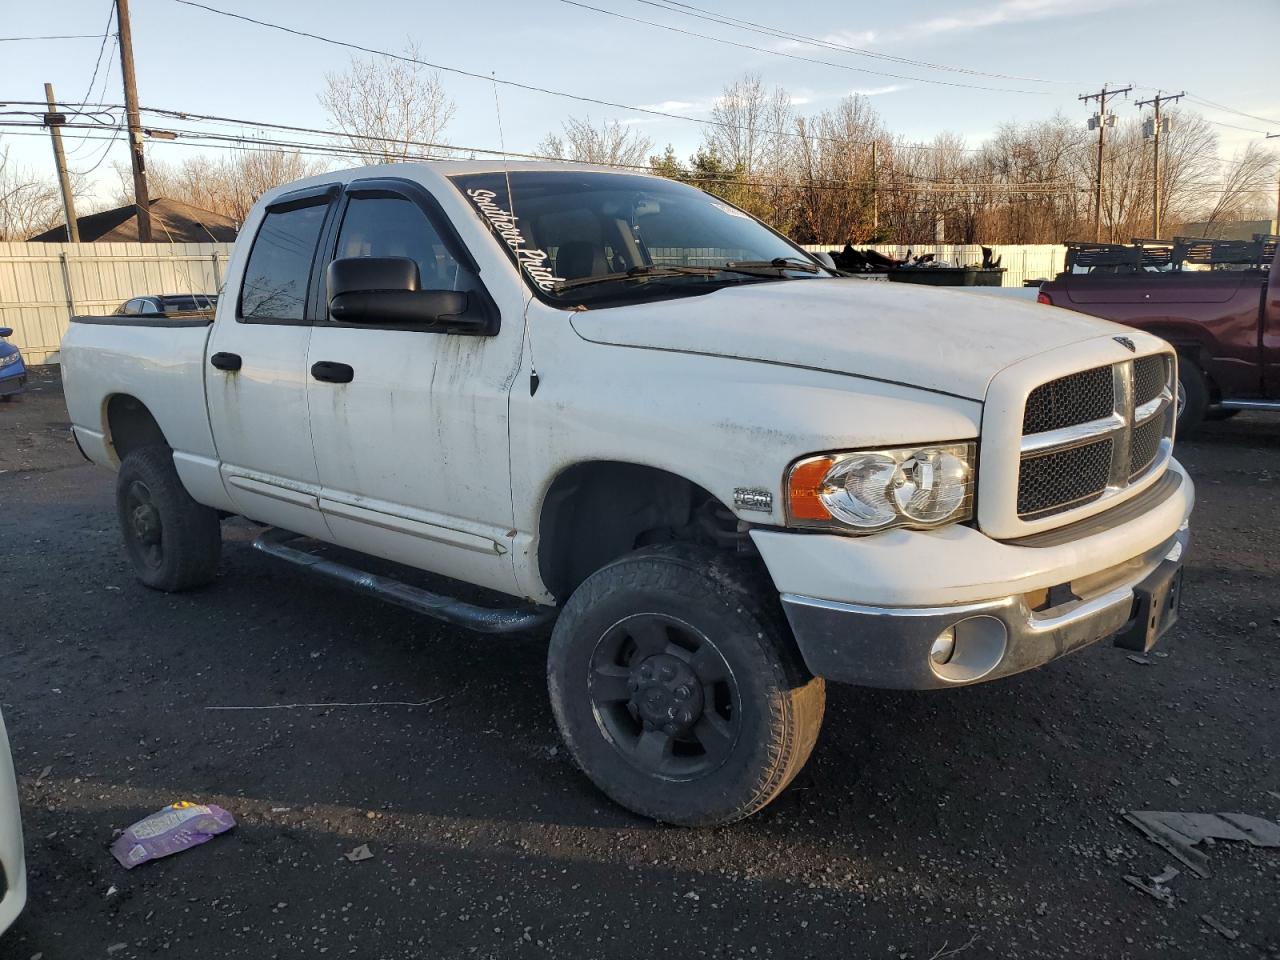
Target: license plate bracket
(1157, 602)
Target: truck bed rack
(1171, 255)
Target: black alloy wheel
(664, 696)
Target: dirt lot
(983, 822)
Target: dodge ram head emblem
(1126, 343)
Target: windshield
(583, 237)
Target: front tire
(172, 541)
(678, 689)
(1193, 397)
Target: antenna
(511, 204)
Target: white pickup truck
(726, 473)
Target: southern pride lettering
(532, 260)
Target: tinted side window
(279, 268)
(396, 227)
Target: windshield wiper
(639, 273)
(777, 264)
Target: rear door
(413, 452)
(257, 367)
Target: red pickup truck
(1217, 302)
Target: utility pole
(141, 201)
(1102, 116)
(53, 120)
(1269, 136)
(1155, 153)
(875, 192)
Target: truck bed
(157, 361)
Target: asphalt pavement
(984, 822)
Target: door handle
(230, 362)
(331, 372)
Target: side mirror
(825, 259)
(6, 332)
(386, 290)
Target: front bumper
(868, 610)
(12, 382)
(890, 646)
(13, 868)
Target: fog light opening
(943, 647)
(969, 649)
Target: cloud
(1006, 11)
(878, 91)
(839, 38)
(676, 106)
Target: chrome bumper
(13, 882)
(890, 646)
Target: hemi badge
(753, 498)
(1126, 343)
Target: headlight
(869, 490)
(11, 358)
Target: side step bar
(1273, 405)
(273, 542)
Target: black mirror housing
(6, 332)
(386, 290)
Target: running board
(1273, 405)
(273, 542)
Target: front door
(412, 452)
(257, 374)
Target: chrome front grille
(1089, 435)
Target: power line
(711, 16)
(190, 138)
(532, 88)
(59, 36)
(791, 56)
(1226, 109)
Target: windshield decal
(532, 260)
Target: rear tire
(1193, 396)
(678, 689)
(172, 541)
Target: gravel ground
(983, 822)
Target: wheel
(1193, 396)
(172, 541)
(678, 689)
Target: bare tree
(611, 143)
(833, 160)
(227, 185)
(29, 203)
(386, 108)
(1246, 180)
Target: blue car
(13, 372)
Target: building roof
(171, 222)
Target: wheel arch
(598, 510)
(130, 425)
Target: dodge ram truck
(1217, 302)
(627, 410)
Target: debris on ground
(177, 827)
(1153, 890)
(1165, 876)
(1180, 832)
(43, 773)
(1137, 659)
(1214, 925)
(361, 852)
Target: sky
(189, 59)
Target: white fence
(1037, 261)
(43, 284)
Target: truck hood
(949, 341)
